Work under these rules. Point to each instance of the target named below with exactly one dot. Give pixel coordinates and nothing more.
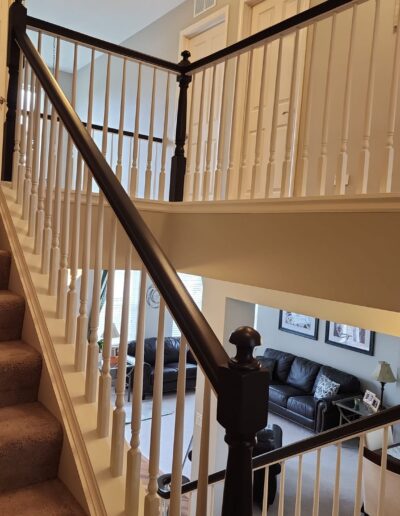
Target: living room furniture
(352, 408)
(292, 388)
(267, 440)
(171, 364)
(371, 483)
(384, 374)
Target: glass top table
(352, 408)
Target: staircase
(30, 437)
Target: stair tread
(20, 369)
(30, 445)
(12, 309)
(51, 498)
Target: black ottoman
(267, 440)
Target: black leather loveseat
(292, 388)
(171, 359)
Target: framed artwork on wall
(350, 337)
(299, 324)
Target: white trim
(206, 23)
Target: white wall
(361, 365)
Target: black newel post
(178, 162)
(17, 17)
(242, 411)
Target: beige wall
(3, 69)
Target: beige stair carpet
(30, 437)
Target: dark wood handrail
(347, 431)
(208, 350)
(295, 22)
(100, 44)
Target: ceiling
(114, 20)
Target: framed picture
(369, 396)
(350, 337)
(298, 324)
(375, 404)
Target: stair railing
(55, 165)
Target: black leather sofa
(292, 388)
(171, 359)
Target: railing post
(242, 411)
(178, 162)
(17, 17)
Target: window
(194, 286)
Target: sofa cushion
(267, 363)
(348, 383)
(283, 363)
(171, 349)
(326, 388)
(302, 374)
(171, 372)
(279, 393)
(303, 405)
(150, 348)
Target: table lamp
(383, 374)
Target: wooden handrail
(208, 350)
(344, 432)
(100, 44)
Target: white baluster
(281, 504)
(72, 296)
(33, 198)
(336, 490)
(118, 170)
(304, 161)
(265, 492)
(92, 351)
(245, 133)
(134, 166)
(221, 140)
(132, 493)
(161, 179)
(230, 189)
(18, 125)
(387, 175)
(299, 486)
(272, 146)
(323, 159)
(42, 181)
(83, 319)
(197, 193)
(149, 171)
(317, 483)
(22, 155)
(342, 178)
(29, 149)
(202, 487)
(207, 173)
(286, 179)
(357, 498)
(55, 244)
(256, 170)
(382, 480)
(47, 231)
(176, 477)
(365, 153)
(152, 501)
(63, 272)
(119, 414)
(188, 192)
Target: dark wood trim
(205, 345)
(349, 430)
(106, 46)
(113, 130)
(286, 26)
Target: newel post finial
(245, 339)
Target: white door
(265, 14)
(201, 45)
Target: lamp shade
(383, 373)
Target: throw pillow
(326, 388)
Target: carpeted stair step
(20, 369)
(5, 262)
(30, 445)
(12, 309)
(48, 498)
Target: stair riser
(12, 309)
(5, 262)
